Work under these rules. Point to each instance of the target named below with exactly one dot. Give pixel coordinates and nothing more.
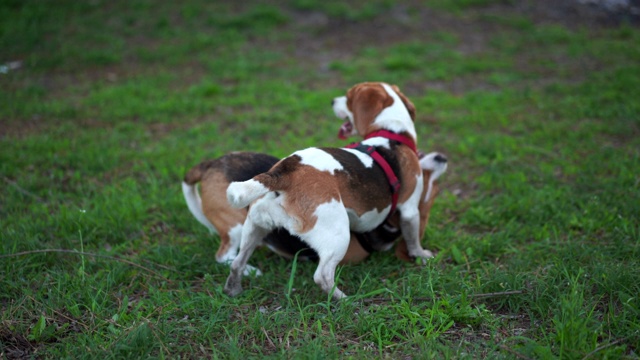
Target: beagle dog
(321, 194)
(211, 209)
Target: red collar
(394, 183)
(394, 136)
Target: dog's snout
(440, 158)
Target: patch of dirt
(15, 346)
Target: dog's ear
(407, 103)
(366, 101)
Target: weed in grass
(575, 332)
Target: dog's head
(372, 106)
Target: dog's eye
(277, 193)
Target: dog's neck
(404, 139)
(395, 118)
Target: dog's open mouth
(345, 130)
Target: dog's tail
(241, 194)
(192, 197)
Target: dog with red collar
(211, 209)
(321, 194)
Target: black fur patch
(244, 166)
(284, 242)
(379, 238)
(368, 182)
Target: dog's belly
(286, 245)
(367, 221)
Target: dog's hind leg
(226, 254)
(326, 271)
(251, 238)
(330, 239)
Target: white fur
(396, 117)
(367, 221)
(319, 159)
(377, 141)
(241, 194)
(330, 239)
(268, 213)
(365, 159)
(410, 222)
(340, 108)
(251, 237)
(235, 236)
(264, 215)
(194, 203)
(409, 208)
(437, 168)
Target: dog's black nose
(333, 102)
(440, 158)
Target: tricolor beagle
(320, 194)
(213, 211)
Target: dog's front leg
(410, 227)
(251, 237)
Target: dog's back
(236, 166)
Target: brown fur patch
(355, 252)
(366, 101)
(305, 187)
(213, 191)
(310, 188)
(194, 175)
(409, 168)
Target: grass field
(106, 104)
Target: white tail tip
(242, 194)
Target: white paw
(248, 269)
(422, 254)
(251, 271)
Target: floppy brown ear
(366, 103)
(407, 103)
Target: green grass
(536, 227)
